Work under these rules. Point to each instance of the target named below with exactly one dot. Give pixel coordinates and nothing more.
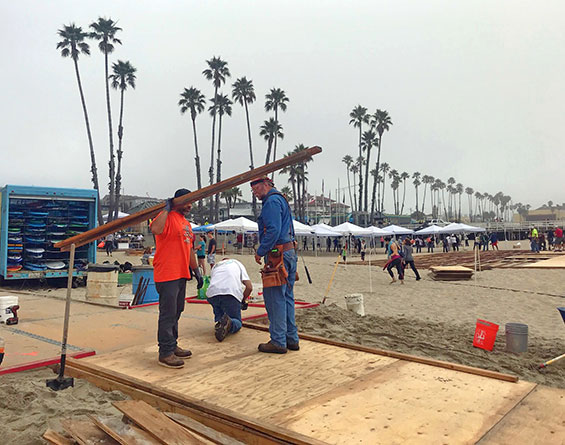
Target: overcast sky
(474, 89)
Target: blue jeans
(227, 304)
(279, 302)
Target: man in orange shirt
(174, 264)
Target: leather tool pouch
(274, 273)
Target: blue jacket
(274, 222)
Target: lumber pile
(451, 273)
(142, 424)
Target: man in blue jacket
(275, 229)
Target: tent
(202, 229)
(461, 228)
(240, 224)
(120, 215)
(322, 231)
(322, 225)
(377, 231)
(347, 228)
(397, 230)
(302, 229)
(430, 230)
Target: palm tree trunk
(373, 196)
(251, 165)
(119, 152)
(403, 196)
(197, 159)
(294, 195)
(349, 188)
(211, 169)
(276, 137)
(93, 168)
(219, 167)
(269, 147)
(378, 167)
(424, 200)
(443, 202)
(367, 178)
(360, 206)
(383, 194)
(111, 163)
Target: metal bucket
(516, 337)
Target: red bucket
(485, 335)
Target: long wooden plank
(199, 410)
(85, 432)
(203, 430)
(122, 223)
(398, 355)
(156, 423)
(56, 438)
(122, 433)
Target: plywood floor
(558, 262)
(339, 395)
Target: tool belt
(274, 273)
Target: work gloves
(169, 205)
(196, 274)
(244, 305)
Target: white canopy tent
(302, 229)
(461, 228)
(322, 231)
(431, 230)
(377, 231)
(397, 230)
(240, 224)
(347, 228)
(322, 225)
(120, 215)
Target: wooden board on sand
(557, 262)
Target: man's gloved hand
(169, 205)
(244, 304)
(196, 274)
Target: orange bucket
(485, 334)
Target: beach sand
(426, 318)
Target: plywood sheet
(406, 403)
(539, 418)
(557, 262)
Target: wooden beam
(156, 423)
(85, 432)
(209, 433)
(128, 435)
(246, 429)
(113, 226)
(398, 355)
(56, 438)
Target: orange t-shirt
(173, 249)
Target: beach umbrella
(397, 230)
(430, 230)
(240, 224)
(347, 228)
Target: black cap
(181, 192)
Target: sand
(428, 318)
(28, 407)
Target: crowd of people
(552, 239)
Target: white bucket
(354, 303)
(5, 303)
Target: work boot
(182, 353)
(171, 361)
(270, 347)
(292, 346)
(222, 328)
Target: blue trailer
(33, 219)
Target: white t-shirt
(226, 279)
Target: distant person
(335, 244)
(201, 253)
(445, 243)
(228, 291)
(363, 250)
(485, 240)
(146, 255)
(211, 257)
(328, 244)
(558, 238)
(395, 261)
(494, 241)
(109, 244)
(344, 253)
(430, 244)
(408, 257)
(305, 244)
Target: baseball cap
(262, 179)
(181, 192)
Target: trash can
(102, 281)
(144, 275)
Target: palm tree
(274, 100)
(368, 141)
(192, 99)
(302, 178)
(217, 72)
(478, 197)
(124, 75)
(348, 160)
(270, 130)
(287, 192)
(354, 169)
(105, 30)
(384, 167)
(231, 196)
(470, 191)
(426, 180)
(459, 190)
(403, 177)
(243, 92)
(291, 171)
(394, 185)
(358, 117)
(221, 105)
(376, 181)
(383, 123)
(440, 186)
(417, 183)
(450, 189)
(72, 45)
